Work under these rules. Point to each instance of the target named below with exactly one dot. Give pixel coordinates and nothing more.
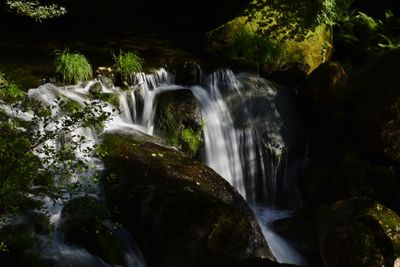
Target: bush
(127, 64)
(73, 67)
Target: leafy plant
(37, 155)
(35, 10)
(73, 67)
(127, 64)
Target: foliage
(37, 154)
(255, 49)
(191, 140)
(293, 19)
(73, 67)
(35, 10)
(127, 64)
(369, 35)
(9, 92)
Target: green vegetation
(191, 140)
(127, 64)
(21, 141)
(367, 34)
(9, 92)
(256, 50)
(35, 10)
(73, 67)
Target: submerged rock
(178, 120)
(181, 212)
(359, 232)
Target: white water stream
(246, 157)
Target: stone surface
(180, 212)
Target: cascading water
(243, 138)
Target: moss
(71, 106)
(310, 43)
(191, 140)
(178, 120)
(110, 98)
(180, 211)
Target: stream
(244, 143)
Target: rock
(96, 88)
(180, 212)
(107, 81)
(361, 231)
(376, 107)
(293, 74)
(188, 73)
(301, 230)
(343, 173)
(327, 86)
(266, 114)
(178, 120)
(299, 37)
(83, 222)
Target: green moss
(293, 24)
(191, 140)
(71, 106)
(110, 98)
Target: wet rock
(84, 224)
(178, 120)
(361, 231)
(327, 86)
(181, 212)
(376, 107)
(301, 230)
(95, 89)
(188, 73)
(292, 74)
(107, 81)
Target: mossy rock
(178, 120)
(301, 42)
(181, 212)
(359, 232)
(83, 222)
(376, 107)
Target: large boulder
(181, 212)
(294, 25)
(179, 121)
(359, 232)
(376, 107)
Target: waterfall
(244, 136)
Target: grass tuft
(127, 64)
(73, 67)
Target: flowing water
(244, 136)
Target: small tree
(34, 9)
(33, 161)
